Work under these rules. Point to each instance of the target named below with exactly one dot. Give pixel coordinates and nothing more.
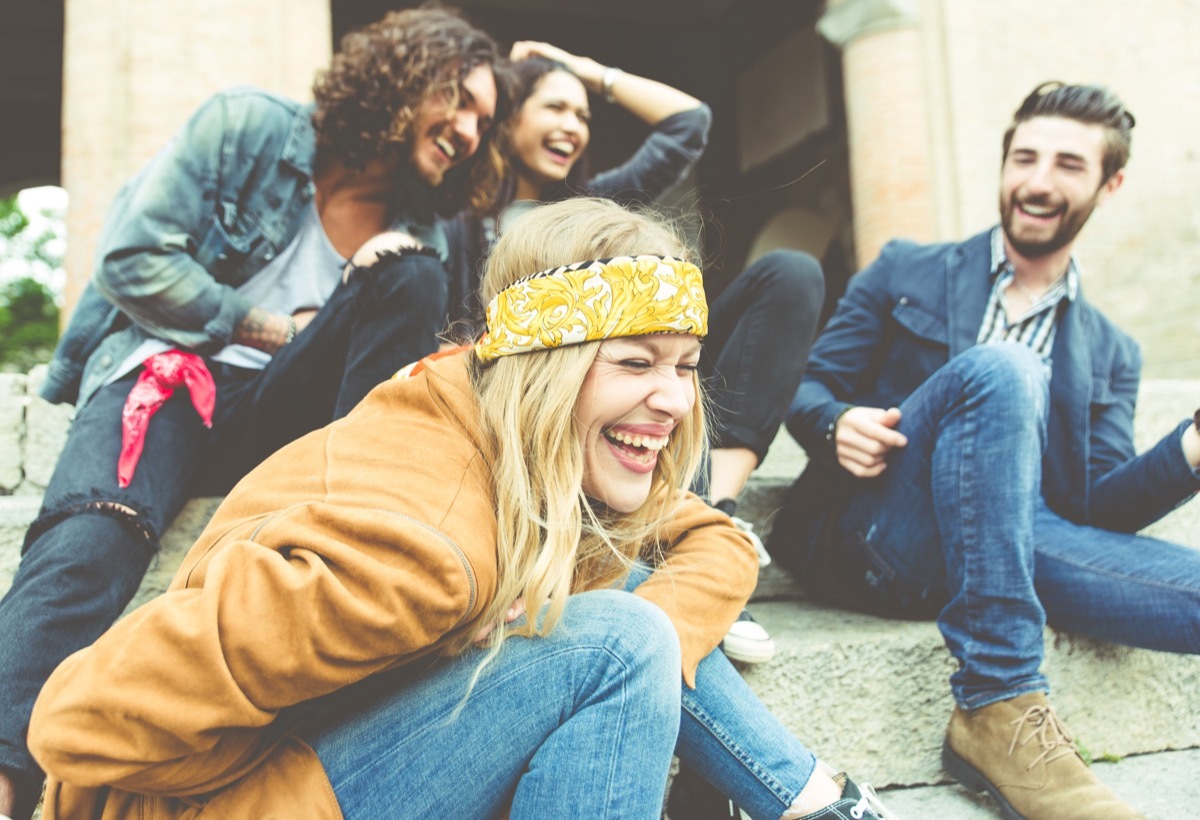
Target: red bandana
(162, 374)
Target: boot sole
(973, 779)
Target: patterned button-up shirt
(1036, 327)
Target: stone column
(134, 70)
(888, 120)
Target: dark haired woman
(762, 324)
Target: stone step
(867, 694)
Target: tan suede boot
(1018, 751)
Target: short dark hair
(369, 96)
(1092, 104)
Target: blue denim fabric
(957, 525)
(83, 562)
(733, 741)
(204, 215)
(545, 713)
(580, 723)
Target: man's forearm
(264, 330)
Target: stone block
(870, 695)
(46, 427)
(16, 514)
(12, 426)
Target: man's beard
(1071, 223)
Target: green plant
(29, 248)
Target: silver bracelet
(611, 75)
(291, 331)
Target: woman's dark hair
(526, 74)
(1091, 104)
(368, 98)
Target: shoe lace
(870, 802)
(764, 557)
(1052, 737)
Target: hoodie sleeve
(709, 573)
(177, 697)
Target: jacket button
(268, 256)
(105, 360)
(904, 300)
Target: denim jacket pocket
(224, 251)
(1102, 397)
(918, 344)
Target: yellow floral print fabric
(604, 299)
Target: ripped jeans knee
(138, 524)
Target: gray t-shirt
(303, 275)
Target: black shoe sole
(973, 779)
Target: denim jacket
(932, 297)
(208, 212)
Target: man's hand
(863, 438)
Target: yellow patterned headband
(603, 299)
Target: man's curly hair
(369, 97)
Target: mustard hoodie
(354, 549)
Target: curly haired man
(241, 299)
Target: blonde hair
(551, 540)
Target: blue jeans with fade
(85, 555)
(956, 526)
(580, 723)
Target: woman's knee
(790, 274)
(635, 631)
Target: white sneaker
(747, 641)
(764, 557)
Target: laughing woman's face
(552, 129)
(636, 392)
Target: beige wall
(134, 70)
(957, 71)
(1140, 252)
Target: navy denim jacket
(933, 298)
(208, 212)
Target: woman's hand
(516, 610)
(648, 100)
(590, 72)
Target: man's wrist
(831, 431)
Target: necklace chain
(1029, 295)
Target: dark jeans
(760, 331)
(957, 528)
(84, 557)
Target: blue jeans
(581, 723)
(84, 558)
(956, 525)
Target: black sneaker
(854, 804)
(694, 798)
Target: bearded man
(968, 417)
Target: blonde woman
(348, 638)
